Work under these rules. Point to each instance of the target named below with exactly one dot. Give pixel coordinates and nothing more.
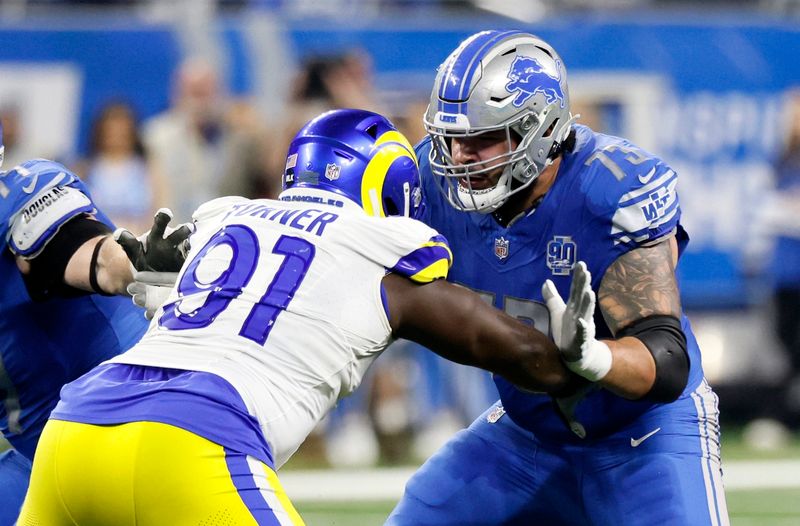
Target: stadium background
(708, 88)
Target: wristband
(595, 361)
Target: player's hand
(573, 329)
(567, 406)
(150, 290)
(160, 249)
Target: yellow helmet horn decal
(395, 136)
(389, 150)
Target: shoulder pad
(635, 190)
(40, 218)
(649, 209)
(24, 181)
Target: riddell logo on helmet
(528, 77)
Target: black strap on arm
(46, 277)
(93, 268)
(664, 338)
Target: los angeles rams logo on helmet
(528, 77)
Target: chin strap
(558, 146)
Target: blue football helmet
(498, 81)
(2, 147)
(358, 155)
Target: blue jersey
(609, 197)
(44, 345)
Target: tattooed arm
(640, 283)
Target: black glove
(161, 249)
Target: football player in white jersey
(277, 312)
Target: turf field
(746, 508)
(763, 488)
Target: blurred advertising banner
(37, 107)
(705, 92)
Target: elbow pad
(664, 338)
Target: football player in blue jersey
(529, 201)
(51, 329)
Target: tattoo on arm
(639, 284)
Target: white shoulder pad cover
(41, 217)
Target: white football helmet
(498, 80)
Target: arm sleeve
(46, 278)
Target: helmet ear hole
(390, 208)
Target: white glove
(567, 406)
(151, 289)
(573, 329)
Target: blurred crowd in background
(211, 141)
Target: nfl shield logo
(501, 248)
(332, 171)
(495, 415)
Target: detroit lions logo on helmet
(528, 77)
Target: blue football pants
(500, 474)
(15, 473)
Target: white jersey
(283, 300)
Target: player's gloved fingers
(180, 234)
(579, 279)
(132, 246)
(582, 331)
(134, 288)
(589, 305)
(160, 279)
(156, 296)
(160, 221)
(552, 298)
(140, 300)
(586, 280)
(585, 307)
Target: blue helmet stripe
(448, 89)
(449, 107)
(462, 65)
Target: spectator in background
(205, 145)
(324, 83)
(783, 222)
(116, 170)
(12, 135)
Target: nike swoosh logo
(635, 442)
(644, 179)
(29, 187)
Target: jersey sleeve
(636, 195)
(410, 248)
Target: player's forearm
(111, 267)
(633, 369)
(534, 364)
